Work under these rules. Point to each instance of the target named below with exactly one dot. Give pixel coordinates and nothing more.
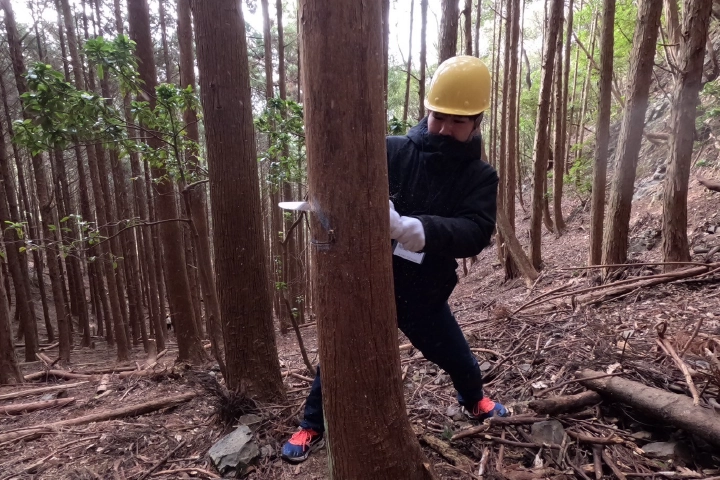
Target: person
(443, 206)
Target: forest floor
(523, 355)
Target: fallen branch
(60, 374)
(447, 452)
(611, 463)
(496, 422)
(189, 470)
(611, 440)
(683, 368)
(131, 411)
(162, 461)
(19, 408)
(568, 403)
(668, 407)
(35, 391)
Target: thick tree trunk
(602, 133)
(448, 30)
(181, 309)
(42, 191)
(682, 120)
(409, 64)
(615, 240)
(195, 194)
(558, 165)
(23, 295)
(252, 362)
(540, 155)
(350, 219)
(9, 369)
(423, 58)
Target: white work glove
(413, 234)
(395, 224)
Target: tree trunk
(23, 295)
(409, 64)
(9, 369)
(566, 88)
(615, 240)
(476, 47)
(252, 362)
(602, 133)
(558, 165)
(423, 58)
(42, 190)
(497, 26)
(195, 194)
(467, 13)
(682, 120)
(672, 20)
(350, 201)
(386, 46)
(540, 155)
(163, 36)
(181, 310)
(448, 30)
(580, 133)
(511, 270)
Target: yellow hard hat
(460, 86)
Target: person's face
(460, 128)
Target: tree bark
(181, 309)
(682, 120)
(448, 30)
(350, 225)
(423, 58)
(580, 132)
(476, 45)
(672, 20)
(602, 133)
(615, 239)
(241, 269)
(42, 189)
(540, 155)
(566, 87)
(163, 37)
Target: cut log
(568, 403)
(713, 185)
(31, 407)
(36, 391)
(677, 410)
(131, 411)
(104, 381)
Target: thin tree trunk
(252, 362)
(573, 100)
(541, 134)
(181, 309)
(602, 133)
(580, 133)
(409, 65)
(682, 120)
(355, 329)
(423, 58)
(476, 47)
(558, 164)
(448, 30)
(496, 91)
(566, 88)
(672, 20)
(467, 13)
(163, 36)
(617, 224)
(511, 270)
(42, 190)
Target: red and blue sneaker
(486, 408)
(301, 445)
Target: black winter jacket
(454, 198)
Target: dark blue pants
(437, 335)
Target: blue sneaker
(486, 408)
(301, 445)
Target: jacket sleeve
(470, 228)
